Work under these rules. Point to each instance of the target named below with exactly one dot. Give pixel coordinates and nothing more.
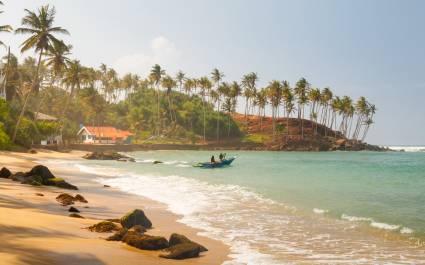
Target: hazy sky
(365, 48)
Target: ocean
(289, 207)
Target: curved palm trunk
(24, 107)
(218, 120)
(158, 113)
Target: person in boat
(221, 156)
(212, 160)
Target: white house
(51, 139)
(103, 135)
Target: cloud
(162, 51)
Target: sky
(371, 48)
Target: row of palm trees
(352, 119)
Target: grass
(256, 138)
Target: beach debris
(104, 227)
(108, 156)
(76, 215)
(65, 199)
(39, 194)
(135, 217)
(118, 236)
(5, 173)
(176, 239)
(157, 162)
(80, 198)
(145, 242)
(182, 251)
(73, 210)
(106, 186)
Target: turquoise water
(277, 207)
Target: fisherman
(221, 156)
(212, 160)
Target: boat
(222, 163)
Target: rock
(176, 239)
(146, 242)
(18, 176)
(135, 217)
(73, 210)
(41, 171)
(182, 251)
(80, 198)
(32, 151)
(39, 194)
(126, 159)
(138, 229)
(104, 227)
(105, 156)
(65, 199)
(60, 183)
(5, 173)
(76, 215)
(157, 162)
(114, 220)
(33, 180)
(340, 142)
(106, 186)
(118, 236)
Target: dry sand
(36, 229)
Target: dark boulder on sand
(41, 175)
(104, 227)
(41, 171)
(157, 162)
(118, 236)
(80, 198)
(182, 251)
(176, 239)
(76, 215)
(18, 176)
(5, 173)
(145, 242)
(135, 217)
(73, 210)
(138, 229)
(65, 199)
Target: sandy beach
(37, 230)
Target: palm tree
(169, 83)
(216, 77)
(261, 100)
(314, 97)
(156, 75)
(205, 85)
(288, 99)
(40, 26)
(249, 83)
(180, 78)
(4, 28)
(325, 100)
(301, 90)
(275, 97)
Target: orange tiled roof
(108, 132)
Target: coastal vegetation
(161, 106)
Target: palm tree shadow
(37, 256)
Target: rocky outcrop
(41, 175)
(118, 236)
(135, 217)
(76, 215)
(182, 251)
(104, 227)
(5, 173)
(80, 198)
(41, 171)
(65, 199)
(176, 239)
(145, 242)
(108, 156)
(73, 210)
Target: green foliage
(4, 139)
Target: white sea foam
(406, 230)
(356, 218)
(320, 211)
(384, 226)
(408, 148)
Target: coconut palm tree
(261, 100)
(301, 90)
(288, 100)
(169, 83)
(156, 75)
(180, 78)
(314, 97)
(42, 36)
(217, 77)
(205, 85)
(249, 84)
(188, 85)
(275, 97)
(4, 28)
(325, 100)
